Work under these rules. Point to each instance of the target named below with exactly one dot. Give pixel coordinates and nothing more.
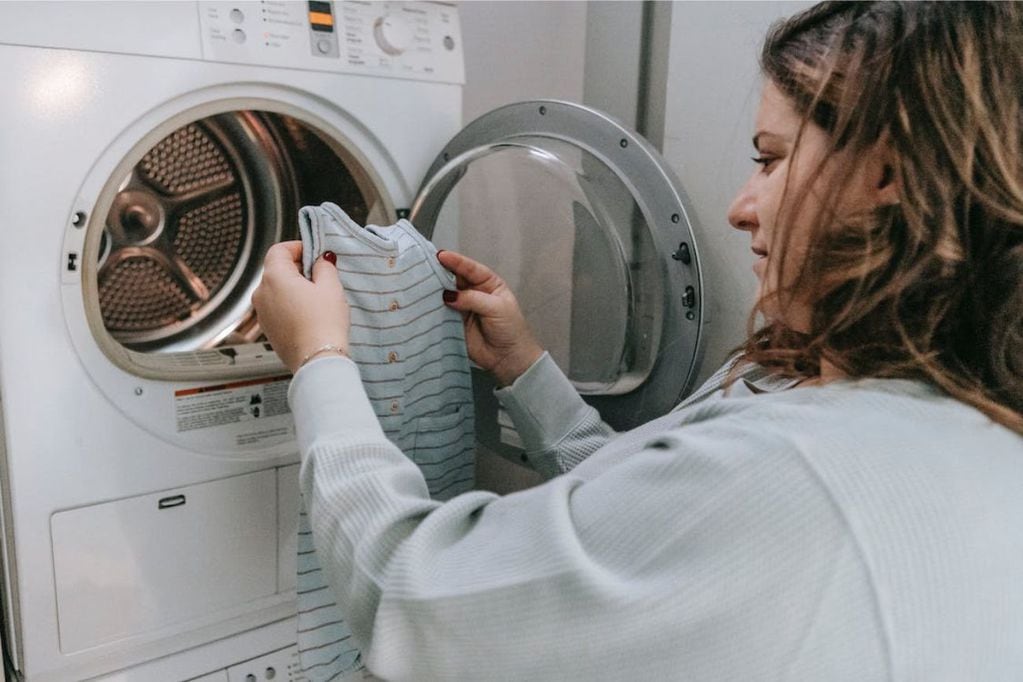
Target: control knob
(393, 34)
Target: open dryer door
(590, 229)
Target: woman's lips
(760, 263)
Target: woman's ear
(887, 174)
(882, 175)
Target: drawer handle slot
(172, 501)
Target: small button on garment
(391, 261)
(393, 306)
(395, 407)
(392, 357)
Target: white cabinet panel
(219, 676)
(289, 500)
(135, 565)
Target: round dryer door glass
(567, 236)
(581, 218)
(189, 224)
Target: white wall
(521, 50)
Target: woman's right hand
(497, 335)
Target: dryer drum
(186, 233)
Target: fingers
(284, 255)
(325, 276)
(472, 301)
(287, 257)
(325, 268)
(471, 273)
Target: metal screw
(675, 217)
(543, 111)
(138, 390)
(624, 143)
(78, 220)
(690, 315)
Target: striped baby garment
(410, 350)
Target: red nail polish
(450, 296)
(330, 257)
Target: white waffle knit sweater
(858, 531)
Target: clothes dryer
(152, 151)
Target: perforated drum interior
(188, 227)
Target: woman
(855, 517)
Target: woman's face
(757, 208)
(801, 176)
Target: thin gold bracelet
(330, 347)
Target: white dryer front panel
(99, 170)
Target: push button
(391, 261)
(395, 407)
(392, 357)
(393, 306)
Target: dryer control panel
(414, 40)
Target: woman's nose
(742, 214)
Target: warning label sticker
(232, 403)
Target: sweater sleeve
(557, 428)
(707, 552)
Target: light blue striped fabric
(410, 349)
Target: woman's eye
(765, 161)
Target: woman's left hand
(299, 316)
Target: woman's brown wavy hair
(931, 288)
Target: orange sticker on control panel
(321, 18)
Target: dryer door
(590, 228)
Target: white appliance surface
(141, 541)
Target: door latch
(682, 254)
